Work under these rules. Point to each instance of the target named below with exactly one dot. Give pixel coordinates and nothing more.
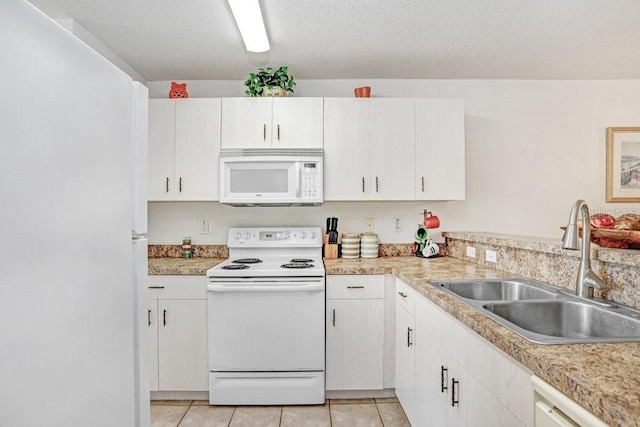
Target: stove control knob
(238, 235)
(247, 235)
(312, 235)
(303, 235)
(286, 235)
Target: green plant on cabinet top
(268, 78)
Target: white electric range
(267, 318)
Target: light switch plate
(491, 256)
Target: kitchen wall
(533, 148)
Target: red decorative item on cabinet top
(178, 90)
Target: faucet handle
(594, 281)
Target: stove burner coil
(235, 267)
(247, 261)
(302, 260)
(297, 265)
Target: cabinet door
(392, 148)
(162, 133)
(197, 149)
(182, 345)
(431, 373)
(405, 380)
(355, 339)
(440, 149)
(346, 149)
(297, 123)
(246, 122)
(152, 322)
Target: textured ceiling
(342, 39)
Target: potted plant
(270, 82)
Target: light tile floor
(334, 413)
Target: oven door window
(266, 331)
(255, 180)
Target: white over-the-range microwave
(271, 177)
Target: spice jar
(186, 247)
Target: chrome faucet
(587, 279)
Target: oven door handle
(315, 287)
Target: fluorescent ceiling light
(249, 20)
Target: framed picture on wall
(623, 164)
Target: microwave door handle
(298, 180)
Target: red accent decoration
(178, 90)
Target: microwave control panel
(311, 180)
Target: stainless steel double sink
(545, 314)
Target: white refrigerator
(71, 272)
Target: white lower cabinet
(459, 378)
(355, 332)
(177, 318)
(552, 408)
(405, 351)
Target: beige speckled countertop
(182, 266)
(603, 378)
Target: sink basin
(568, 321)
(499, 290)
(544, 314)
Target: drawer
(406, 297)
(355, 286)
(177, 287)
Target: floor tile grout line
(185, 414)
(379, 415)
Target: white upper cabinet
(392, 149)
(184, 145)
(440, 149)
(346, 149)
(264, 122)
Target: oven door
(266, 325)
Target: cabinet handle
(376, 184)
(155, 287)
(278, 132)
(334, 317)
(180, 184)
(264, 132)
(355, 287)
(443, 383)
(409, 343)
(453, 392)
(149, 317)
(402, 294)
(167, 185)
(164, 317)
(363, 184)
(422, 184)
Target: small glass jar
(186, 247)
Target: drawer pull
(443, 383)
(155, 287)
(402, 294)
(453, 392)
(409, 343)
(164, 317)
(355, 287)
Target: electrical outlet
(471, 251)
(397, 224)
(369, 225)
(491, 256)
(204, 226)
